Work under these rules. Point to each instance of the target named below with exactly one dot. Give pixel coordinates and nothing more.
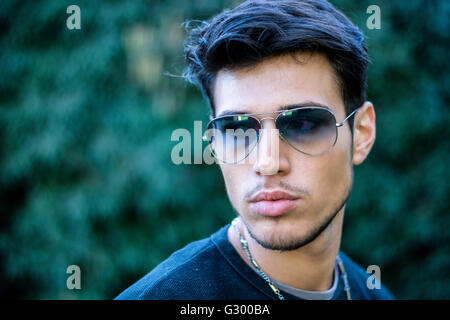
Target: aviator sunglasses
(309, 130)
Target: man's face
(320, 184)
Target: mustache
(282, 185)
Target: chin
(282, 242)
(276, 234)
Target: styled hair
(260, 29)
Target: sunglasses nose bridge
(265, 128)
(267, 118)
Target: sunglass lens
(309, 130)
(232, 138)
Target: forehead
(276, 82)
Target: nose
(268, 150)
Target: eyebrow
(282, 108)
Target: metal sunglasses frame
(279, 112)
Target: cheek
(232, 175)
(334, 168)
(327, 176)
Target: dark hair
(260, 29)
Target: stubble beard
(280, 244)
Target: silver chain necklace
(244, 245)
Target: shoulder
(183, 275)
(358, 282)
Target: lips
(273, 203)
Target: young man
(293, 73)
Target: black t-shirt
(211, 269)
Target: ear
(363, 132)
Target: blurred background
(86, 118)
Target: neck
(310, 267)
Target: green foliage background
(86, 118)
